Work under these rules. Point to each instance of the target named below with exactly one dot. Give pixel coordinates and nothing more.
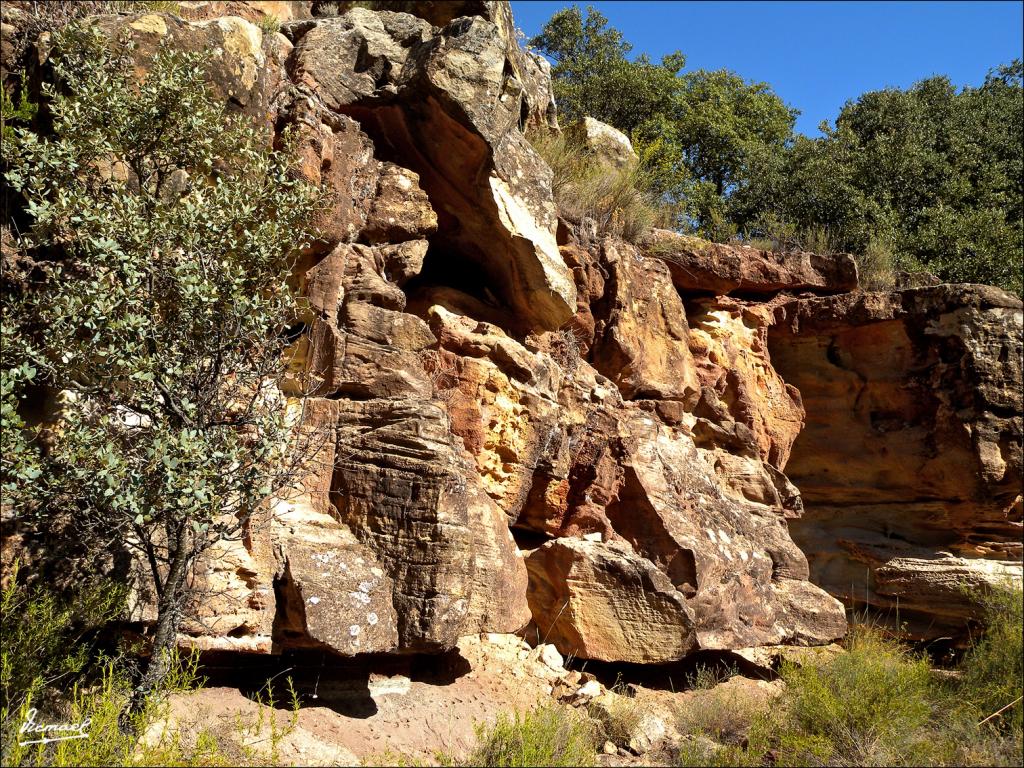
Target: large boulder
(606, 144)
(609, 603)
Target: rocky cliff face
(633, 451)
(910, 459)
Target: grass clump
(876, 268)
(863, 707)
(724, 714)
(618, 200)
(547, 736)
(619, 715)
(49, 638)
(57, 668)
(993, 669)
(140, 6)
(877, 704)
(269, 24)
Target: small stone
(550, 657)
(608, 748)
(590, 690)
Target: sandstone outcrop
(697, 265)
(451, 106)
(611, 441)
(910, 460)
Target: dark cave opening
(321, 678)
(679, 675)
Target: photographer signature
(55, 732)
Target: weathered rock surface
(697, 265)
(642, 340)
(608, 145)
(451, 106)
(612, 604)
(635, 414)
(246, 63)
(910, 460)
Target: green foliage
(876, 704)
(270, 24)
(19, 456)
(724, 713)
(877, 265)
(994, 668)
(99, 708)
(547, 736)
(619, 718)
(705, 678)
(592, 76)
(137, 6)
(864, 703)
(48, 639)
(725, 126)
(933, 173)
(23, 113)
(164, 229)
(697, 131)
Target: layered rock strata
(513, 420)
(909, 462)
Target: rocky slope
(632, 451)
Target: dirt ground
(428, 709)
(387, 712)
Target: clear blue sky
(816, 55)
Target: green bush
(99, 708)
(23, 113)
(865, 703)
(48, 639)
(270, 24)
(546, 736)
(993, 668)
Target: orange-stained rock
(333, 153)
(641, 334)
(626, 477)
(910, 462)
(729, 342)
(501, 398)
(699, 265)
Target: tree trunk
(166, 632)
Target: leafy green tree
(933, 172)
(924, 178)
(162, 233)
(700, 133)
(593, 76)
(724, 123)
